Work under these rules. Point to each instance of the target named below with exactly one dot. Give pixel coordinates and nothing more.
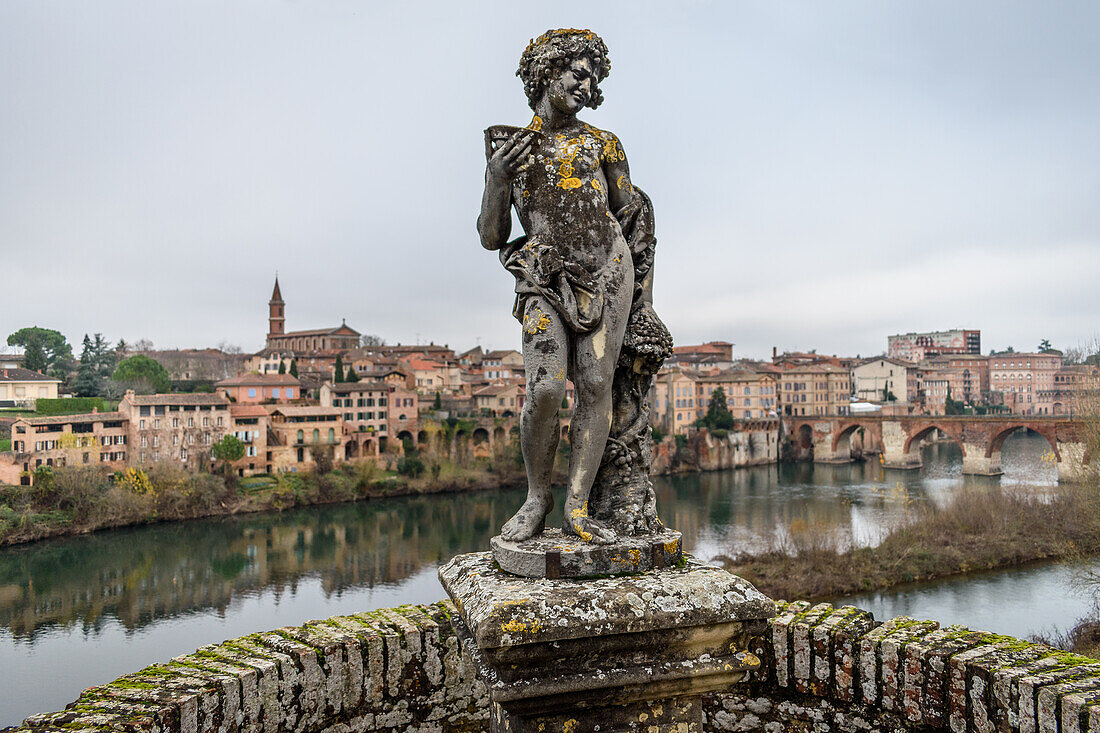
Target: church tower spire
(275, 317)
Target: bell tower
(275, 317)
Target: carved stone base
(628, 653)
(553, 554)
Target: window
(219, 421)
(316, 435)
(141, 424)
(156, 440)
(190, 422)
(331, 435)
(156, 423)
(275, 392)
(175, 422)
(176, 439)
(301, 437)
(206, 422)
(251, 391)
(183, 454)
(290, 393)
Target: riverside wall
(750, 443)
(823, 669)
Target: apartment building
(681, 395)
(69, 440)
(1027, 380)
(915, 347)
(174, 427)
(815, 389)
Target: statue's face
(572, 90)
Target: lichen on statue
(583, 284)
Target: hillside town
(333, 390)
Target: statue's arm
(494, 224)
(617, 172)
(625, 202)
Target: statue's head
(554, 52)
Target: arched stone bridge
(897, 438)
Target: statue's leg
(545, 356)
(594, 363)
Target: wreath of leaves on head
(548, 54)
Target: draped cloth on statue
(575, 293)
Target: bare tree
(142, 344)
(370, 339)
(228, 348)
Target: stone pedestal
(626, 653)
(553, 554)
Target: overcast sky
(823, 174)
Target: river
(80, 611)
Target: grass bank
(80, 499)
(982, 529)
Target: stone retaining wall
(823, 669)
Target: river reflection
(83, 610)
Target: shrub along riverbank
(981, 529)
(79, 499)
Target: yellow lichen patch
(526, 194)
(596, 184)
(570, 183)
(750, 660)
(670, 547)
(569, 726)
(536, 124)
(536, 321)
(560, 375)
(515, 626)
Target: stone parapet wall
(835, 669)
(391, 670)
(822, 669)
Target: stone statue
(583, 274)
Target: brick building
(69, 440)
(174, 427)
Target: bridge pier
(894, 455)
(975, 462)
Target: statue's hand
(507, 161)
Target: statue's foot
(529, 520)
(588, 529)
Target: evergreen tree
(338, 371)
(718, 414)
(282, 366)
(438, 404)
(294, 368)
(352, 375)
(88, 382)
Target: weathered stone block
(606, 650)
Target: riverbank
(981, 529)
(82, 499)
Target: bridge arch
(999, 439)
(872, 435)
(924, 431)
